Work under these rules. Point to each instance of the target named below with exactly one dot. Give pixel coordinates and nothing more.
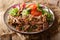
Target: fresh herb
(26, 12)
(49, 17)
(13, 11)
(21, 28)
(34, 27)
(30, 29)
(39, 8)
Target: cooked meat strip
(39, 23)
(18, 28)
(45, 25)
(32, 23)
(40, 27)
(26, 27)
(44, 18)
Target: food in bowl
(30, 17)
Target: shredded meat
(29, 23)
(33, 20)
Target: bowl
(12, 28)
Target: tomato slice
(34, 10)
(36, 13)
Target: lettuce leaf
(13, 11)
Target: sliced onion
(16, 6)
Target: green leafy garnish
(13, 11)
(30, 29)
(26, 12)
(34, 27)
(49, 17)
(21, 28)
(39, 8)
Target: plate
(12, 28)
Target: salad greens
(49, 15)
(26, 12)
(13, 11)
(39, 8)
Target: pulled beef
(30, 23)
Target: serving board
(51, 34)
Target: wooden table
(6, 34)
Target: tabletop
(7, 34)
